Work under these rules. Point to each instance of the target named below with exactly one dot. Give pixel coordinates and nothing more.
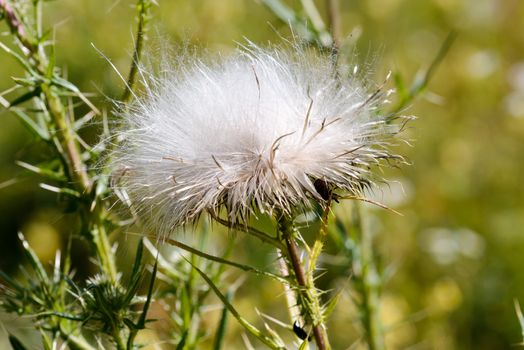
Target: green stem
(118, 340)
(368, 279)
(103, 249)
(66, 135)
(333, 9)
(143, 7)
(67, 138)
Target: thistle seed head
(265, 129)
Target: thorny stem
(143, 7)
(307, 294)
(66, 135)
(64, 131)
(68, 146)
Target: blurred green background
(458, 250)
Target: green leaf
(10, 281)
(130, 324)
(141, 323)
(27, 82)
(34, 261)
(304, 345)
(51, 56)
(422, 79)
(227, 262)
(182, 342)
(58, 81)
(23, 62)
(280, 9)
(15, 343)
(248, 326)
(520, 317)
(290, 17)
(31, 125)
(221, 330)
(330, 306)
(61, 190)
(46, 340)
(400, 86)
(43, 171)
(138, 259)
(25, 97)
(65, 84)
(142, 319)
(80, 123)
(185, 305)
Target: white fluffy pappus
(265, 129)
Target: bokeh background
(456, 254)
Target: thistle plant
(265, 131)
(279, 133)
